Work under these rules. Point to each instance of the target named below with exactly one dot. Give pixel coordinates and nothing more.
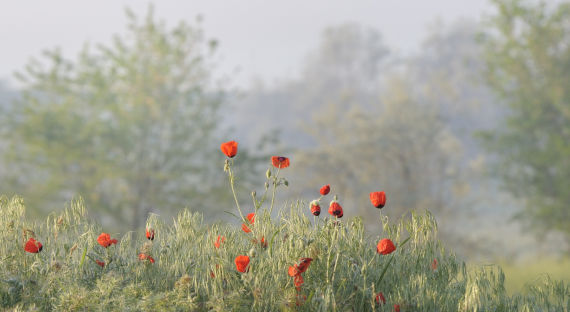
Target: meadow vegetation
(187, 265)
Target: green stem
(274, 188)
(231, 177)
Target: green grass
(344, 275)
(532, 272)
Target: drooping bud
(268, 173)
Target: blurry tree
(371, 131)
(528, 56)
(131, 126)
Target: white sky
(259, 38)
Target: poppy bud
(268, 173)
(315, 208)
(253, 193)
(335, 209)
(325, 189)
(266, 185)
(252, 253)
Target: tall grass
(191, 274)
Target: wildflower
(385, 247)
(229, 148)
(296, 270)
(261, 242)
(315, 208)
(280, 162)
(144, 256)
(378, 199)
(251, 219)
(380, 297)
(100, 263)
(241, 263)
(434, 265)
(325, 189)
(298, 281)
(335, 209)
(105, 240)
(396, 308)
(150, 234)
(219, 241)
(33, 246)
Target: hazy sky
(258, 38)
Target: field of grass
(191, 266)
(528, 273)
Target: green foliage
(128, 125)
(528, 57)
(344, 275)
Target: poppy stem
(231, 177)
(274, 188)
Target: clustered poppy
(33, 246)
(100, 263)
(296, 270)
(325, 189)
(105, 240)
(315, 208)
(335, 209)
(280, 162)
(380, 298)
(150, 234)
(219, 241)
(385, 247)
(241, 263)
(144, 257)
(251, 219)
(229, 148)
(378, 199)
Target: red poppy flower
(380, 297)
(434, 265)
(299, 268)
(251, 219)
(335, 209)
(212, 275)
(33, 246)
(100, 263)
(315, 208)
(150, 234)
(298, 281)
(280, 162)
(241, 263)
(396, 308)
(143, 256)
(385, 247)
(378, 199)
(219, 241)
(325, 189)
(262, 242)
(229, 148)
(105, 240)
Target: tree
(130, 126)
(527, 49)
